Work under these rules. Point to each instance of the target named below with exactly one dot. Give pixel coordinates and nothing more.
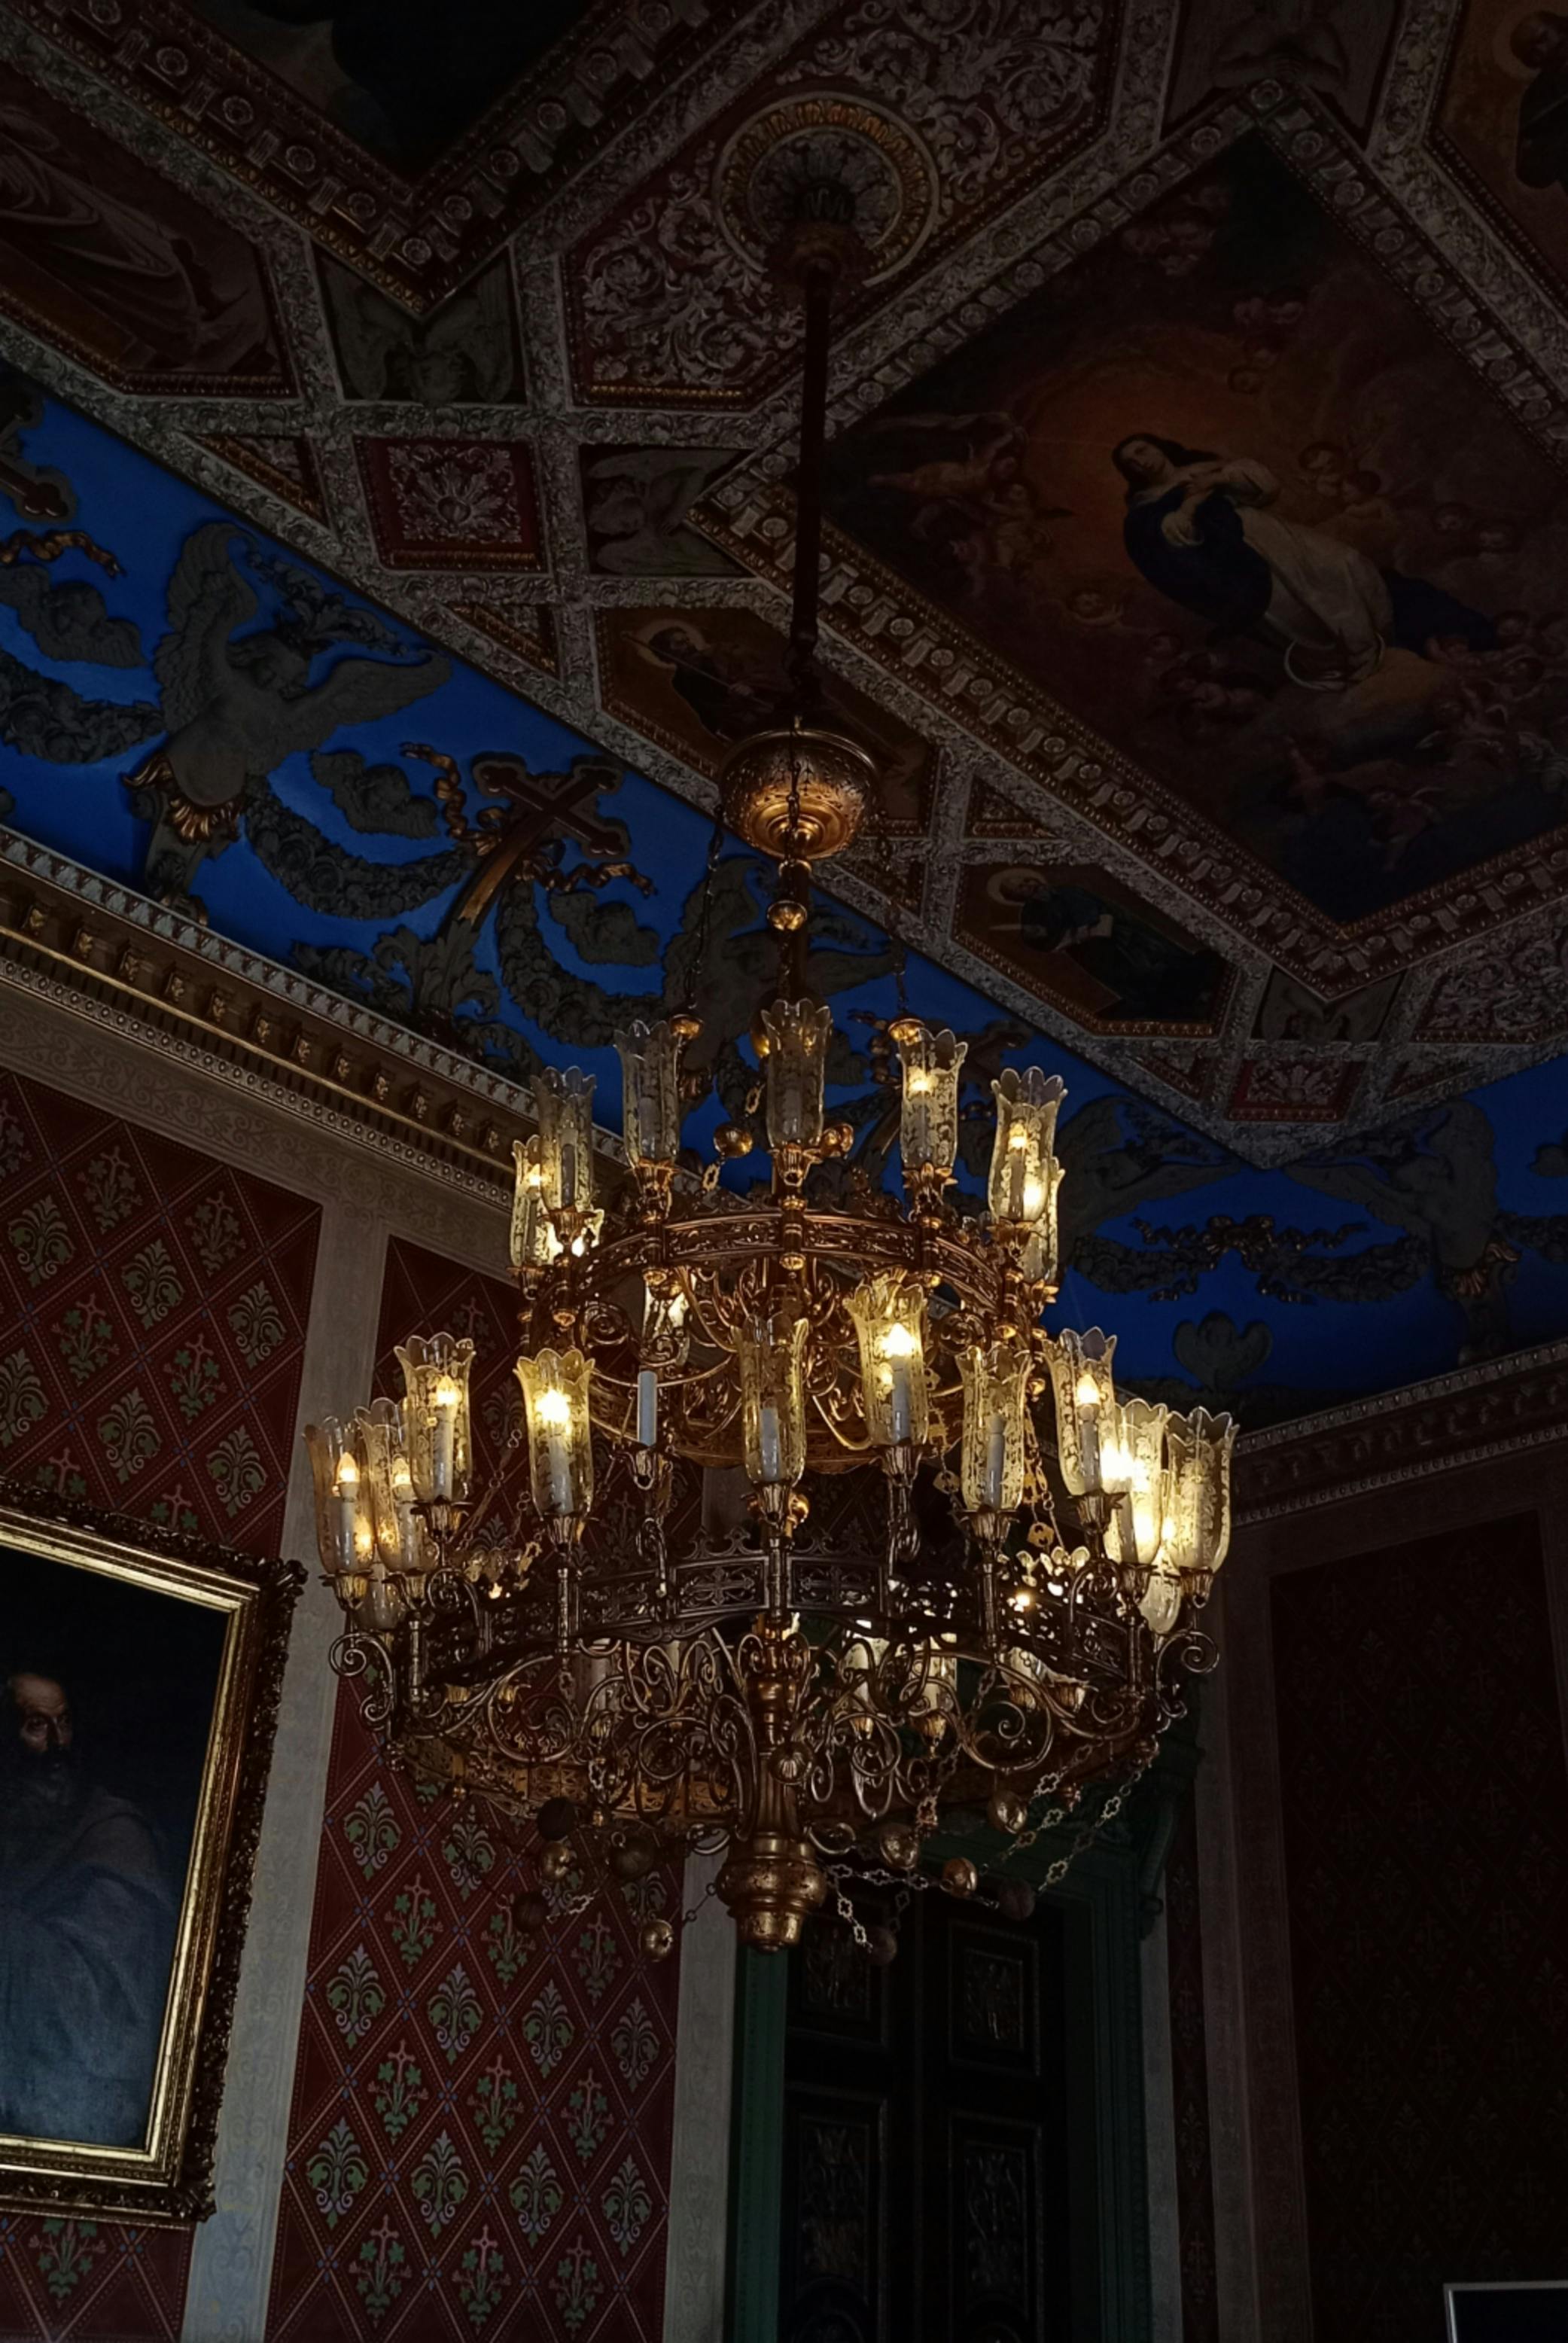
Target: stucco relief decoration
(939, 111)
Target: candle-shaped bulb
(650, 1091)
(1024, 1172)
(1084, 1391)
(444, 1399)
(796, 1034)
(995, 1389)
(561, 1450)
(565, 1104)
(436, 1427)
(888, 1319)
(770, 1353)
(932, 1065)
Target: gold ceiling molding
(1490, 1409)
(175, 983)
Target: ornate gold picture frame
(140, 1671)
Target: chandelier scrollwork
(1016, 1610)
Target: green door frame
(1109, 1899)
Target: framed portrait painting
(139, 1680)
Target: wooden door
(928, 2185)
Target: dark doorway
(930, 2189)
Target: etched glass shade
(890, 1322)
(402, 1540)
(1199, 1448)
(436, 1427)
(929, 1121)
(995, 1387)
(560, 1448)
(344, 1525)
(564, 1105)
(1132, 1471)
(1024, 1172)
(650, 1091)
(797, 1034)
(771, 1355)
(534, 1243)
(1084, 1396)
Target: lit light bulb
(444, 1399)
(1034, 1198)
(676, 1309)
(1086, 1391)
(918, 1084)
(553, 1408)
(1018, 1137)
(402, 1482)
(348, 1524)
(900, 1341)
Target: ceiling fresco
(188, 706)
(395, 514)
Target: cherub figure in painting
(976, 499)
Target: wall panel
(479, 2143)
(153, 1308)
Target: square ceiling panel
(1229, 497)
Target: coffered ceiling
(1233, 758)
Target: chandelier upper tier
(813, 1706)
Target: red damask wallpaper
(1189, 2084)
(1426, 1836)
(153, 1310)
(479, 2144)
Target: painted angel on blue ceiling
(1203, 530)
(236, 705)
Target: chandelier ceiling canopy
(1019, 1623)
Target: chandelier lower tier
(1015, 1608)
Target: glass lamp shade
(1085, 1396)
(344, 1521)
(564, 1105)
(1161, 1601)
(402, 1540)
(650, 1092)
(1198, 1532)
(890, 1321)
(1132, 1470)
(1024, 1172)
(534, 1243)
(772, 1356)
(436, 1435)
(560, 1449)
(796, 1033)
(928, 1123)
(995, 1387)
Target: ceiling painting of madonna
(395, 514)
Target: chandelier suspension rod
(817, 294)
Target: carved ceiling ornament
(592, 132)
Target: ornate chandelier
(812, 1707)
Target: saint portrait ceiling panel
(125, 268)
(1222, 490)
(1087, 942)
(699, 680)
